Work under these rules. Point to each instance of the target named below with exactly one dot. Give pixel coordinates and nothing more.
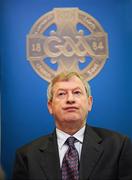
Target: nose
(70, 98)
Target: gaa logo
(65, 45)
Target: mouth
(70, 109)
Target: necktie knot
(70, 141)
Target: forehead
(71, 83)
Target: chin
(72, 119)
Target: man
(74, 150)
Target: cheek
(84, 106)
(56, 106)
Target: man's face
(70, 103)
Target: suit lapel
(49, 160)
(91, 152)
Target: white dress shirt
(62, 137)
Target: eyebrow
(62, 89)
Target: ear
(90, 103)
(50, 107)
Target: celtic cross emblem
(65, 45)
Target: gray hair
(65, 76)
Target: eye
(61, 94)
(77, 92)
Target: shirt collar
(62, 136)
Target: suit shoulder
(34, 144)
(110, 138)
(107, 133)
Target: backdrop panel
(24, 102)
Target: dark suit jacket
(106, 155)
